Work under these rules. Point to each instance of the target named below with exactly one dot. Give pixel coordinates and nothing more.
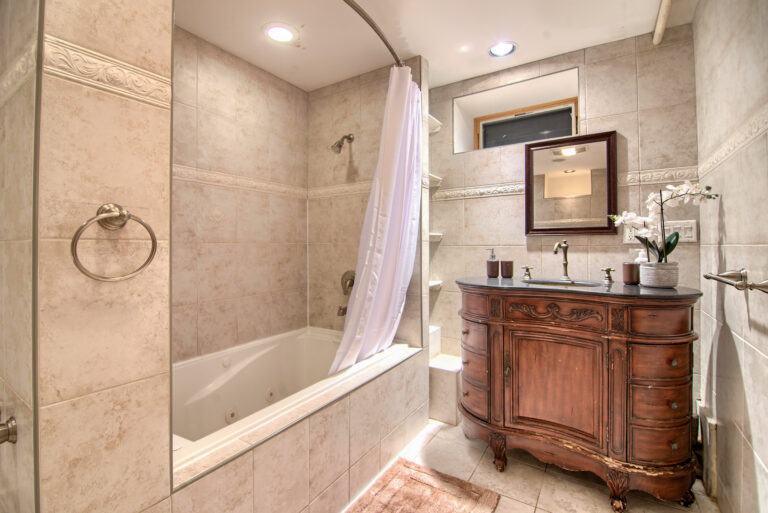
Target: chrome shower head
(336, 147)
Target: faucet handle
(607, 279)
(527, 272)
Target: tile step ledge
(446, 362)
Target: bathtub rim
(199, 460)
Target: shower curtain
(389, 236)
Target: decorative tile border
(18, 72)
(485, 191)
(203, 176)
(339, 190)
(650, 176)
(66, 60)
(753, 128)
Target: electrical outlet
(687, 230)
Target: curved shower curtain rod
(364, 15)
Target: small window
(545, 121)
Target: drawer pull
(674, 363)
(673, 405)
(674, 446)
(465, 394)
(465, 332)
(465, 362)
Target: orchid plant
(650, 230)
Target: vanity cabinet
(595, 379)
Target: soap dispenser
(492, 265)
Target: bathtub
(228, 401)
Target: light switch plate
(687, 230)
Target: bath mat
(410, 488)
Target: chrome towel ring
(112, 216)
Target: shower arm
(364, 15)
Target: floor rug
(407, 487)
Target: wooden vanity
(594, 379)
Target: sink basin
(562, 283)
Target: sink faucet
(564, 246)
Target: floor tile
(518, 481)
(507, 505)
(449, 457)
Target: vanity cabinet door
(556, 384)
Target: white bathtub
(218, 389)
(226, 401)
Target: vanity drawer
(569, 314)
(474, 304)
(660, 403)
(474, 367)
(660, 361)
(660, 446)
(474, 399)
(474, 336)
(661, 321)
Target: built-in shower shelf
(434, 124)
(435, 284)
(435, 236)
(434, 181)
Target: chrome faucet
(564, 246)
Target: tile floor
(527, 485)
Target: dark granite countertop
(617, 289)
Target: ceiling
(453, 35)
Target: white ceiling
(453, 35)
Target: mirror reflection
(571, 184)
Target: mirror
(570, 185)
(530, 110)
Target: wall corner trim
(72, 62)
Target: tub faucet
(347, 282)
(564, 246)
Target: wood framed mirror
(570, 185)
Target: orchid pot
(664, 275)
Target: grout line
(106, 389)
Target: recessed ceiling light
(569, 171)
(280, 33)
(502, 49)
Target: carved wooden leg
(688, 499)
(498, 445)
(618, 484)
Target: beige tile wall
(103, 348)
(18, 42)
(645, 93)
(239, 268)
(731, 53)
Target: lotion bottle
(492, 265)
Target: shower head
(336, 147)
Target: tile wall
(645, 93)
(103, 348)
(239, 218)
(18, 76)
(732, 103)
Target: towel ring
(112, 216)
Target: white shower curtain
(388, 240)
